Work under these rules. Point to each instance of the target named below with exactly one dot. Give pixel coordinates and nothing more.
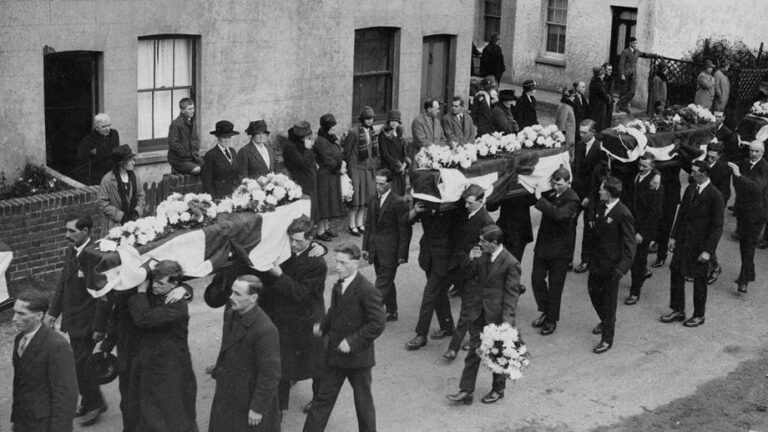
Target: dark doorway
(622, 28)
(437, 68)
(71, 101)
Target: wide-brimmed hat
(224, 129)
(258, 126)
(529, 84)
(122, 153)
(507, 95)
(302, 129)
(394, 115)
(708, 63)
(102, 366)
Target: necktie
(338, 286)
(22, 345)
(226, 153)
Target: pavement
(567, 387)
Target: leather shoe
(629, 301)
(648, 274)
(672, 317)
(735, 236)
(694, 322)
(391, 316)
(653, 248)
(331, 233)
(323, 237)
(598, 329)
(492, 396)
(742, 288)
(549, 328)
(581, 268)
(450, 354)
(659, 262)
(540, 321)
(307, 407)
(466, 347)
(441, 334)
(601, 347)
(461, 397)
(416, 343)
(453, 292)
(93, 415)
(354, 231)
(714, 275)
(570, 267)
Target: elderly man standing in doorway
(94, 154)
(183, 141)
(628, 72)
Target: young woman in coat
(565, 117)
(358, 152)
(600, 100)
(121, 195)
(331, 165)
(299, 159)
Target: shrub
(34, 180)
(718, 50)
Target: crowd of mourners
(276, 328)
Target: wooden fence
(157, 192)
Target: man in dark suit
(492, 299)
(750, 180)
(501, 114)
(732, 151)
(720, 176)
(515, 222)
(247, 370)
(220, 172)
(628, 74)
(44, 381)
(183, 141)
(610, 258)
(525, 110)
(469, 228)
(482, 106)
(386, 238)
(94, 153)
(458, 125)
(85, 318)
(580, 105)
(356, 318)
(694, 239)
(670, 181)
(586, 158)
(554, 247)
(256, 158)
(646, 209)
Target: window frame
(391, 72)
(552, 57)
(487, 15)
(161, 143)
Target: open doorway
(622, 28)
(71, 100)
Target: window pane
(145, 115)
(373, 91)
(376, 51)
(177, 96)
(162, 113)
(144, 68)
(492, 25)
(182, 75)
(493, 7)
(555, 38)
(164, 63)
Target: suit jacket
(515, 219)
(83, 314)
(581, 110)
(90, 168)
(503, 120)
(613, 239)
(220, 177)
(357, 316)
(438, 242)
(494, 289)
(628, 62)
(456, 131)
(705, 90)
(467, 234)
(525, 111)
(751, 191)
(722, 91)
(387, 230)
(600, 100)
(252, 164)
(302, 167)
(427, 131)
(481, 113)
(183, 145)
(247, 372)
(44, 382)
(583, 165)
(733, 152)
(646, 206)
(720, 175)
(698, 227)
(556, 238)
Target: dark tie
(226, 153)
(337, 286)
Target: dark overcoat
(503, 119)
(494, 288)
(294, 302)
(556, 238)
(751, 206)
(329, 157)
(614, 242)
(247, 372)
(220, 176)
(252, 164)
(394, 157)
(525, 111)
(438, 241)
(646, 206)
(697, 229)
(91, 167)
(387, 230)
(482, 114)
(600, 100)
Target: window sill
(151, 157)
(551, 61)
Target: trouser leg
(639, 267)
(595, 289)
(90, 391)
(558, 269)
(610, 298)
(676, 286)
(699, 296)
(472, 361)
(283, 393)
(435, 299)
(385, 283)
(665, 226)
(329, 385)
(361, 379)
(586, 239)
(539, 282)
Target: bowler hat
(224, 129)
(529, 84)
(122, 153)
(258, 126)
(394, 115)
(302, 129)
(103, 367)
(708, 63)
(367, 113)
(507, 95)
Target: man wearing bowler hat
(220, 172)
(502, 117)
(257, 158)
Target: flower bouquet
(641, 125)
(541, 137)
(503, 351)
(261, 195)
(436, 156)
(135, 233)
(495, 145)
(347, 190)
(759, 109)
(696, 114)
(187, 211)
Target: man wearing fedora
(220, 172)
(502, 117)
(256, 158)
(526, 105)
(183, 141)
(458, 125)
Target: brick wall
(34, 228)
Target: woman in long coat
(299, 159)
(162, 379)
(492, 59)
(565, 117)
(121, 195)
(358, 152)
(392, 146)
(658, 91)
(600, 99)
(330, 160)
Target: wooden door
(622, 28)
(437, 69)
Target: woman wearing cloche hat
(331, 165)
(299, 159)
(358, 152)
(392, 146)
(121, 195)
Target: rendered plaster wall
(282, 60)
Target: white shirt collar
(346, 281)
(474, 212)
(496, 253)
(589, 143)
(610, 205)
(79, 249)
(29, 336)
(701, 187)
(384, 197)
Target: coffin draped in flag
(259, 239)
(676, 146)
